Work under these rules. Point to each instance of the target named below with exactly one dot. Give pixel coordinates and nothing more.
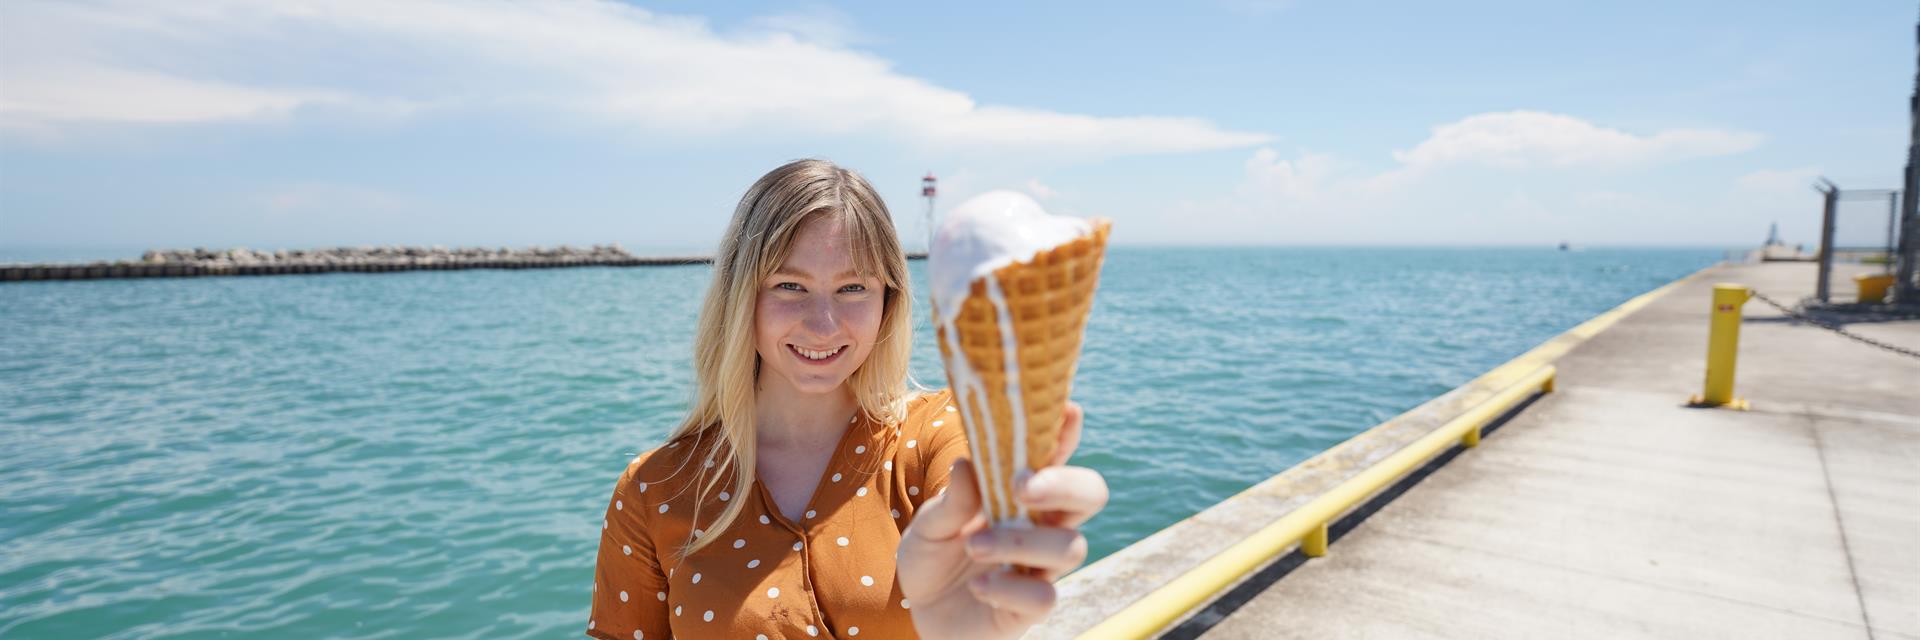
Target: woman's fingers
(947, 515)
(1069, 434)
(1026, 599)
(1072, 495)
(1049, 549)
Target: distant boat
(1563, 246)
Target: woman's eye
(854, 288)
(790, 286)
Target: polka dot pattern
(772, 576)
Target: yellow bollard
(1723, 343)
(1315, 544)
(1873, 288)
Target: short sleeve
(629, 590)
(946, 442)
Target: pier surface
(1609, 509)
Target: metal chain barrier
(1843, 332)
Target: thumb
(947, 514)
(1071, 420)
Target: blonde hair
(726, 362)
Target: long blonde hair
(726, 363)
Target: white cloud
(1453, 188)
(820, 25)
(1039, 190)
(618, 66)
(1268, 176)
(1795, 181)
(327, 199)
(98, 93)
(1524, 139)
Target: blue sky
(274, 125)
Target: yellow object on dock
(1307, 525)
(1872, 288)
(1723, 345)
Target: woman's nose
(819, 318)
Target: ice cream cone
(1012, 411)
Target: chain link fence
(1802, 316)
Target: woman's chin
(820, 383)
(823, 386)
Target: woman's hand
(949, 562)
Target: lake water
(428, 454)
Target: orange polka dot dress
(828, 575)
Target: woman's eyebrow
(844, 275)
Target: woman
(809, 493)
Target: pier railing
(1186, 569)
(1307, 525)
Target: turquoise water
(427, 454)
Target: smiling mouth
(817, 357)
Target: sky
(132, 125)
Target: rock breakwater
(241, 261)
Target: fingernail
(1021, 481)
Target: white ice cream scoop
(989, 231)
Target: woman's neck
(787, 420)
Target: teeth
(817, 355)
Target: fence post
(1832, 198)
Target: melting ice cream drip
(970, 393)
(1010, 345)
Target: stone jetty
(174, 263)
(240, 261)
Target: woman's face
(815, 321)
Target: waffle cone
(1047, 299)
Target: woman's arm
(629, 589)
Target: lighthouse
(927, 190)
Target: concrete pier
(1608, 508)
